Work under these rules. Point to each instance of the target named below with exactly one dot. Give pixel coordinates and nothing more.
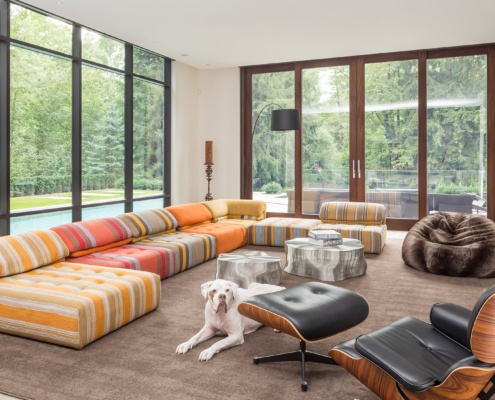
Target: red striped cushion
(93, 233)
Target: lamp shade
(286, 120)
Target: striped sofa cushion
(190, 249)
(92, 233)
(72, 304)
(353, 213)
(190, 214)
(275, 231)
(26, 251)
(160, 261)
(148, 222)
(373, 237)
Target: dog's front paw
(183, 348)
(205, 355)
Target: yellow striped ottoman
(275, 231)
(73, 305)
(354, 220)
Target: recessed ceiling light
(185, 55)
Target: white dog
(222, 317)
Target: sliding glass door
(408, 130)
(325, 139)
(457, 118)
(272, 160)
(391, 137)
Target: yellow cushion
(217, 208)
(241, 209)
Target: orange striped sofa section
(73, 304)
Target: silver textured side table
(326, 263)
(248, 267)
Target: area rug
(138, 361)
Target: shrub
(452, 188)
(272, 188)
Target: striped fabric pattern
(26, 251)
(227, 237)
(373, 237)
(92, 233)
(275, 231)
(352, 212)
(159, 261)
(190, 249)
(73, 305)
(148, 222)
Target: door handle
(359, 169)
(353, 170)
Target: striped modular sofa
(74, 283)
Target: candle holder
(209, 173)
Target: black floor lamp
(283, 119)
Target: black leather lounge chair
(451, 358)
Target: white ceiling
(228, 33)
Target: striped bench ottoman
(363, 221)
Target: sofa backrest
(26, 251)
(87, 237)
(149, 222)
(190, 214)
(347, 212)
(236, 209)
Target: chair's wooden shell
(463, 383)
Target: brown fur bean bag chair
(453, 244)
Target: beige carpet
(138, 360)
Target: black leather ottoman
(310, 312)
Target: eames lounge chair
(451, 358)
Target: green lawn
(61, 199)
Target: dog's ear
(234, 287)
(204, 289)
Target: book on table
(324, 234)
(325, 242)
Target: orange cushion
(86, 252)
(190, 214)
(227, 237)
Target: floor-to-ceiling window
(457, 118)
(325, 140)
(273, 152)
(391, 136)
(88, 127)
(408, 130)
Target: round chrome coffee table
(248, 267)
(325, 263)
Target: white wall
(205, 106)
